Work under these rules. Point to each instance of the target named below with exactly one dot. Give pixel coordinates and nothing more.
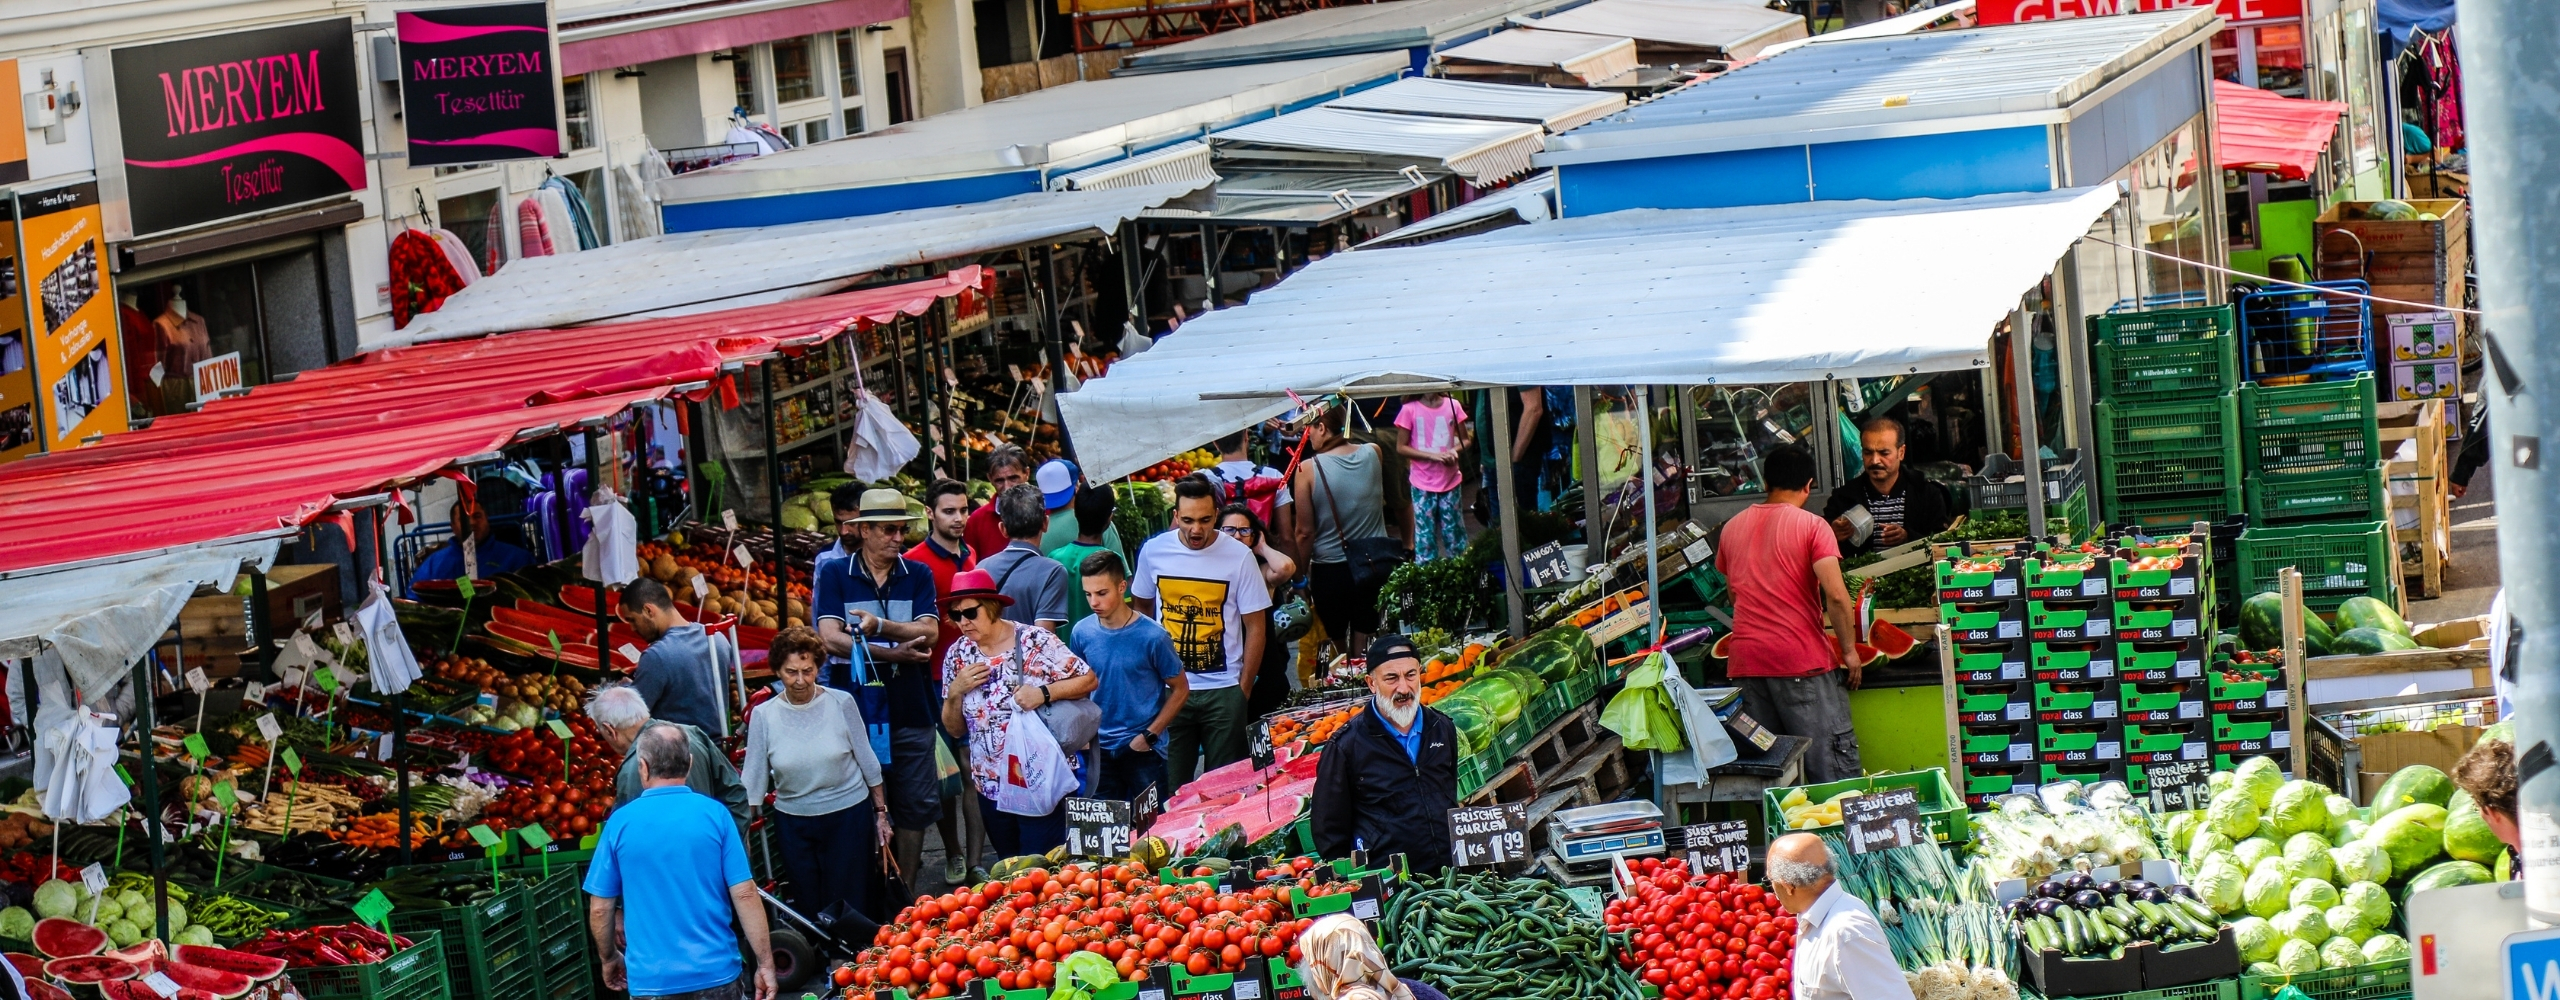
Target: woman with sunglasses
(1238, 522)
(997, 668)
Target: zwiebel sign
(2238, 11)
(237, 124)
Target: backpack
(1259, 494)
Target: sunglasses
(972, 611)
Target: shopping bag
(1642, 715)
(946, 768)
(1707, 738)
(881, 445)
(1037, 775)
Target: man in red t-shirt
(946, 516)
(1783, 566)
(1007, 467)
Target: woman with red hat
(995, 669)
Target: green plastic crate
(2173, 513)
(489, 945)
(2166, 371)
(2343, 494)
(2337, 561)
(2379, 981)
(416, 973)
(2168, 448)
(1940, 805)
(2315, 427)
(2151, 326)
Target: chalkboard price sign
(1545, 566)
(2180, 785)
(1716, 847)
(1884, 819)
(1098, 828)
(1488, 835)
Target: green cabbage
(2308, 853)
(2219, 886)
(2341, 953)
(2370, 898)
(2313, 892)
(2274, 863)
(2413, 835)
(2386, 948)
(2346, 919)
(2256, 849)
(2264, 894)
(2261, 777)
(2217, 781)
(2257, 939)
(2182, 828)
(2207, 842)
(2355, 830)
(56, 898)
(2341, 810)
(2297, 957)
(2298, 807)
(17, 924)
(2359, 861)
(2265, 970)
(2302, 923)
(2233, 813)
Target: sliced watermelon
(260, 967)
(147, 953)
(38, 989)
(1717, 651)
(88, 969)
(29, 966)
(219, 982)
(1891, 640)
(56, 937)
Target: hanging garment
(612, 553)
(82, 786)
(421, 277)
(141, 352)
(758, 134)
(533, 232)
(494, 237)
(555, 216)
(394, 666)
(581, 219)
(456, 253)
(2444, 71)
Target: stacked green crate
(1982, 602)
(2167, 435)
(2316, 494)
(2166, 616)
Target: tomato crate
(2003, 701)
(2163, 661)
(2168, 448)
(2343, 494)
(2246, 687)
(2087, 701)
(2050, 579)
(2174, 513)
(2080, 744)
(1940, 805)
(2071, 663)
(1982, 784)
(2315, 427)
(1965, 576)
(488, 944)
(2157, 326)
(2165, 371)
(1984, 623)
(417, 972)
(2174, 620)
(1996, 743)
(2161, 744)
(2337, 561)
(1991, 663)
(2074, 623)
(2162, 701)
(2377, 981)
(2253, 726)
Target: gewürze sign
(477, 84)
(237, 124)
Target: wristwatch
(1044, 695)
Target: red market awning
(2269, 133)
(281, 455)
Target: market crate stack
(2167, 431)
(2317, 498)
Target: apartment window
(742, 68)
(853, 121)
(815, 129)
(467, 217)
(578, 111)
(795, 76)
(848, 71)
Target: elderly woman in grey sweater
(809, 747)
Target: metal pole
(149, 780)
(2022, 384)
(399, 705)
(1209, 259)
(2508, 44)
(1506, 505)
(596, 440)
(1644, 481)
(1586, 438)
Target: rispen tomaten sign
(2008, 11)
(478, 84)
(238, 124)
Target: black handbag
(1371, 560)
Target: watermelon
(259, 967)
(2444, 876)
(56, 937)
(28, 965)
(2262, 626)
(134, 989)
(85, 969)
(2317, 638)
(220, 982)
(1891, 640)
(2370, 612)
(148, 953)
(2411, 785)
(2366, 641)
(38, 989)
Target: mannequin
(183, 342)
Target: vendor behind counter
(1885, 507)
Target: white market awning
(102, 617)
(1735, 29)
(1589, 58)
(1950, 15)
(1553, 108)
(1481, 151)
(1522, 202)
(685, 273)
(1182, 162)
(1770, 294)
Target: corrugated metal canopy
(682, 273)
(1369, 27)
(1769, 294)
(1526, 201)
(1062, 128)
(1555, 109)
(1592, 58)
(2028, 73)
(1480, 151)
(1294, 196)
(1736, 28)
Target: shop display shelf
(2155, 326)
(2165, 371)
(2168, 448)
(2343, 494)
(2337, 561)
(2302, 429)
(2379, 981)
(1940, 806)
(416, 973)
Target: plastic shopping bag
(881, 445)
(1037, 775)
(1642, 715)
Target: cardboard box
(2426, 380)
(2386, 753)
(2425, 336)
(212, 632)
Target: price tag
(225, 794)
(346, 636)
(1016, 370)
(559, 729)
(303, 645)
(255, 692)
(730, 518)
(269, 728)
(701, 588)
(327, 680)
(197, 681)
(382, 749)
(483, 836)
(1885, 819)
(2177, 786)
(293, 676)
(746, 560)
(374, 908)
(1488, 835)
(1098, 828)
(160, 983)
(292, 761)
(535, 837)
(1545, 566)
(463, 584)
(1716, 847)
(627, 651)
(196, 748)
(1257, 745)
(1143, 812)
(94, 877)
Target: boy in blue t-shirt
(690, 876)
(1142, 680)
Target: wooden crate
(2424, 547)
(2415, 261)
(212, 631)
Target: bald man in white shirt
(1841, 952)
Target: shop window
(742, 72)
(199, 316)
(590, 185)
(2363, 109)
(795, 76)
(2280, 59)
(578, 111)
(814, 130)
(1738, 425)
(467, 216)
(848, 68)
(2170, 209)
(853, 121)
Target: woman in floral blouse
(993, 670)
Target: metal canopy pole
(1586, 437)
(1506, 506)
(2022, 384)
(1644, 481)
(154, 829)
(1209, 260)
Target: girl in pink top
(1435, 432)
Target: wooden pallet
(1556, 747)
(2425, 547)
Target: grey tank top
(1359, 493)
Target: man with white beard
(1387, 781)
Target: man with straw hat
(877, 610)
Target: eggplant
(2154, 894)
(2088, 899)
(2111, 888)
(2135, 886)
(2053, 890)
(2047, 907)
(2184, 890)
(2077, 881)
(2019, 908)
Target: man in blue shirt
(887, 603)
(494, 556)
(675, 675)
(689, 876)
(1143, 685)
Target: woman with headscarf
(1343, 963)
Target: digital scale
(1587, 839)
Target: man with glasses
(886, 603)
(1007, 467)
(1841, 952)
(1207, 592)
(1388, 780)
